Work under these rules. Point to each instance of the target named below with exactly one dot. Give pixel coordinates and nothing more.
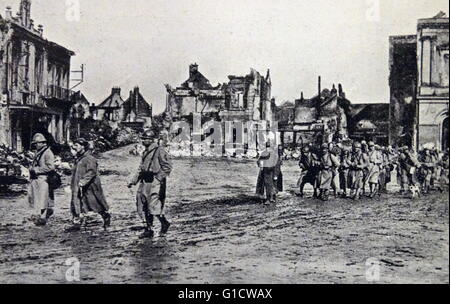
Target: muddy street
(222, 234)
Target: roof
(79, 97)
(112, 101)
(199, 81)
(143, 107)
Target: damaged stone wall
(402, 81)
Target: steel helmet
(149, 134)
(38, 138)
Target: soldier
(375, 163)
(344, 171)
(268, 174)
(87, 191)
(427, 168)
(389, 160)
(436, 178)
(41, 196)
(335, 183)
(308, 170)
(329, 163)
(365, 150)
(358, 163)
(408, 164)
(445, 169)
(152, 178)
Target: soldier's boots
(324, 196)
(50, 213)
(106, 220)
(165, 225)
(148, 234)
(40, 222)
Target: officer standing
(152, 178)
(41, 196)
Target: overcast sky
(151, 42)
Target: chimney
(333, 90)
(341, 92)
(8, 13)
(320, 87)
(41, 29)
(25, 13)
(136, 99)
(115, 90)
(193, 68)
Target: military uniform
(152, 175)
(309, 171)
(41, 195)
(344, 172)
(427, 169)
(267, 182)
(359, 163)
(329, 163)
(407, 166)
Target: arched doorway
(445, 134)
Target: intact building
(419, 85)
(34, 82)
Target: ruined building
(243, 98)
(111, 108)
(322, 118)
(135, 111)
(419, 85)
(34, 82)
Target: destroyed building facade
(319, 119)
(243, 98)
(419, 85)
(34, 82)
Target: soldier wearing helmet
(329, 163)
(41, 195)
(358, 163)
(267, 186)
(152, 179)
(374, 169)
(308, 170)
(87, 190)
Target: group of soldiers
(365, 168)
(87, 194)
(330, 168)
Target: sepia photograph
(224, 142)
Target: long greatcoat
(152, 178)
(270, 167)
(41, 195)
(87, 191)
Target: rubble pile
(105, 137)
(14, 166)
